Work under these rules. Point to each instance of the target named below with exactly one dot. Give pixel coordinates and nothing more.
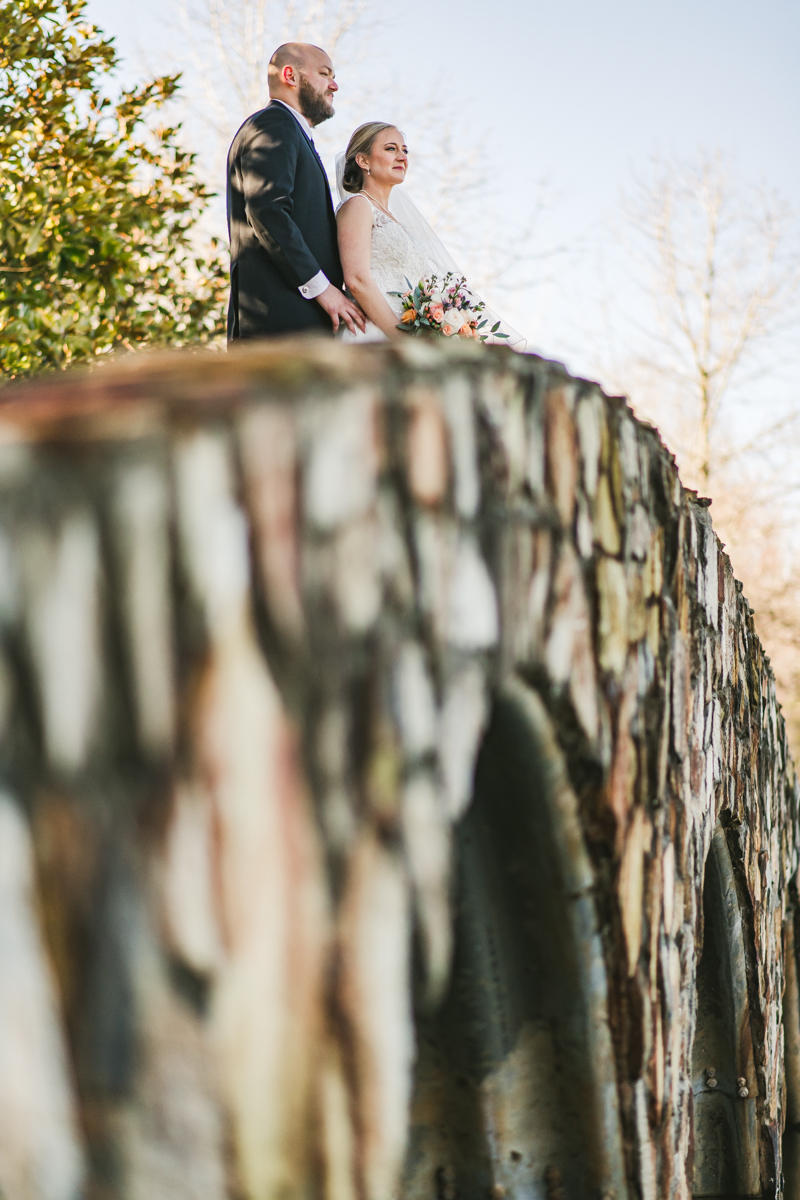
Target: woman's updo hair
(360, 143)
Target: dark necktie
(314, 148)
(317, 157)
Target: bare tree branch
(722, 278)
(228, 44)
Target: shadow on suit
(281, 225)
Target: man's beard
(315, 107)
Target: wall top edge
(219, 380)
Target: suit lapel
(317, 159)
(312, 148)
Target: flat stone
(426, 833)
(358, 582)
(415, 701)
(458, 411)
(638, 540)
(340, 476)
(62, 580)
(562, 458)
(428, 459)
(472, 622)
(612, 630)
(141, 512)
(569, 655)
(637, 619)
(589, 418)
(463, 716)
(606, 530)
(213, 529)
(39, 1128)
(631, 884)
(268, 442)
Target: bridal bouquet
(445, 307)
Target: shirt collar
(301, 120)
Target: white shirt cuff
(315, 287)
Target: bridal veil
(406, 212)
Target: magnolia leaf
(121, 267)
(33, 242)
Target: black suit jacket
(281, 225)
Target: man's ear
(287, 75)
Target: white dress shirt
(316, 286)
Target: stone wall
(385, 742)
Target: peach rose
(467, 331)
(448, 330)
(408, 316)
(437, 313)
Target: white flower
(453, 318)
(437, 298)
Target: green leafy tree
(98, 208)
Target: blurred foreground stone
(395, 799)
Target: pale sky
(580, 92)
(584, 93)
(583, 88)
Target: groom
(285, 269)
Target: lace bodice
(396, 257)
(400, 256)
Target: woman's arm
(354, 225)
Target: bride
(385, 243)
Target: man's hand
(339, 308)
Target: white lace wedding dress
(404, 250)
(397, 260)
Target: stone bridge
(395, 800)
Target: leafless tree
(229, 43)
(227, 46)
(720, 267)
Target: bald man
(285, 270)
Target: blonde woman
(378, 253)
(385, 244)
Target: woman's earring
(367, 170)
